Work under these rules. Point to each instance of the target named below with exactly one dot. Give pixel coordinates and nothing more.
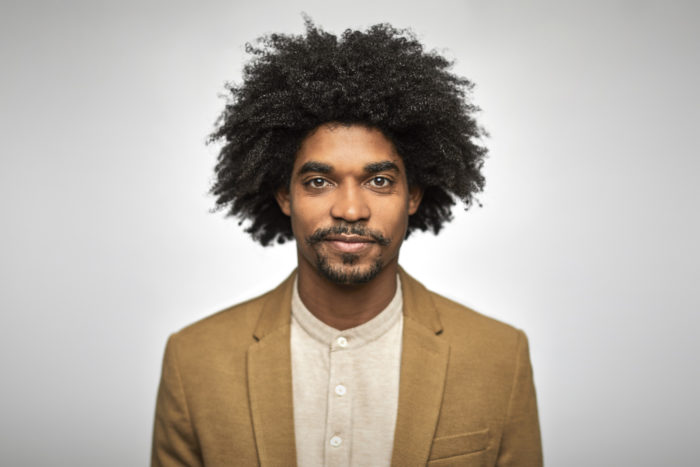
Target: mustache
(321, 234)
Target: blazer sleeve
(174, 439)
(521, 445)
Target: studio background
(587, 238)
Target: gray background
(587, 240)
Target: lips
(348, 244)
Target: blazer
(466, 393)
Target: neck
(346, 306)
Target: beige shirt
(345, 387)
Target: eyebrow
(383, 166)
(373, 168)
(314, 166)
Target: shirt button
(340, 390)
(336, 441)
(343, 342)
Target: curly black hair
(381, 78)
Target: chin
(348, 272)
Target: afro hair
(381, 78)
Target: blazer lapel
(270, 380)
(424, 359)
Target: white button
(343, 342)
(336, 441)
(340, 390)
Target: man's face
(349, 203)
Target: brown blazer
(466, 393)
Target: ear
(415, 195)
(282, 197)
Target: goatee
(345, 276)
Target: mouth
(348, 243)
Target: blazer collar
(424, 362)
(424, 359)
(276, 309)
(269, 366)
(418, 306)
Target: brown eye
(380, 182)
(317, 182)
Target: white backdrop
(587, 239)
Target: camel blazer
(466, 393)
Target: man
(347, 145)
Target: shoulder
(460, 321)
(236, 319)
(448, 318)
(463, 328)
(220, 335)
(233, 329)
(481, 348)
(241, 321)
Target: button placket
(338, 424)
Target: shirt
(345, 387)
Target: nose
(349, 204)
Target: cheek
(305, 217)
(394, 218)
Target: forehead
(347, 147)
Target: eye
(317, 182)
(380, 182)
